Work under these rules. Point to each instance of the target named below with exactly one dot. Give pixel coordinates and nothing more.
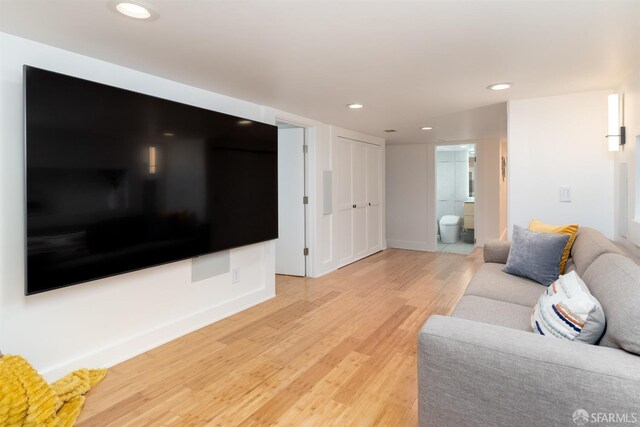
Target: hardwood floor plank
(371, 344)
(338, 350)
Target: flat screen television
(118, 181)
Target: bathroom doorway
(455, 198)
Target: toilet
(449, 229)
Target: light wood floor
(339, 350)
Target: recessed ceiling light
(355, 106)
(426, 128)
(133, 9)
(168, 134)
(244, 122)
(499, 86)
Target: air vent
(390, 130)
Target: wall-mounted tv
(118, 181)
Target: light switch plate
(565, 194)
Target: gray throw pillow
(535, 256)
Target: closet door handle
(354, 206)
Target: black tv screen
(118, 181)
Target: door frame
(432, 197)
(309, 185)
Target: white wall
(631, 89)
(407, 201)
(559, 141)
(108, 320)
(492, 206)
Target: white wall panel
(407, 200)
(559, 141)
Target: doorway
(455, 198)
(291, 247)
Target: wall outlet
(235, 275)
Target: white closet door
(344, 220)
(359, 151)
(373, 197)
(290, 244)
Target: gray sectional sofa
(483, 365)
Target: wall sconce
(152, 160)
(616, 132)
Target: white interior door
(373, 197)
(359, 151)
(290, 257)
(344, 220)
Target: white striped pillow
(567, 310)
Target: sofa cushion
(567, 310)
(491, 282)
(570, 229)
(589, 245)
(536, 255)
(615, 281)
(494, 312)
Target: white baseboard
(323, 273)
(407, 244)
(129, 347)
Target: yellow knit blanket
(27, 400)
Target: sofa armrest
(472, 373)
(497, 251)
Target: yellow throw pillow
(571, 230)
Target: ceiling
(411, 63)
